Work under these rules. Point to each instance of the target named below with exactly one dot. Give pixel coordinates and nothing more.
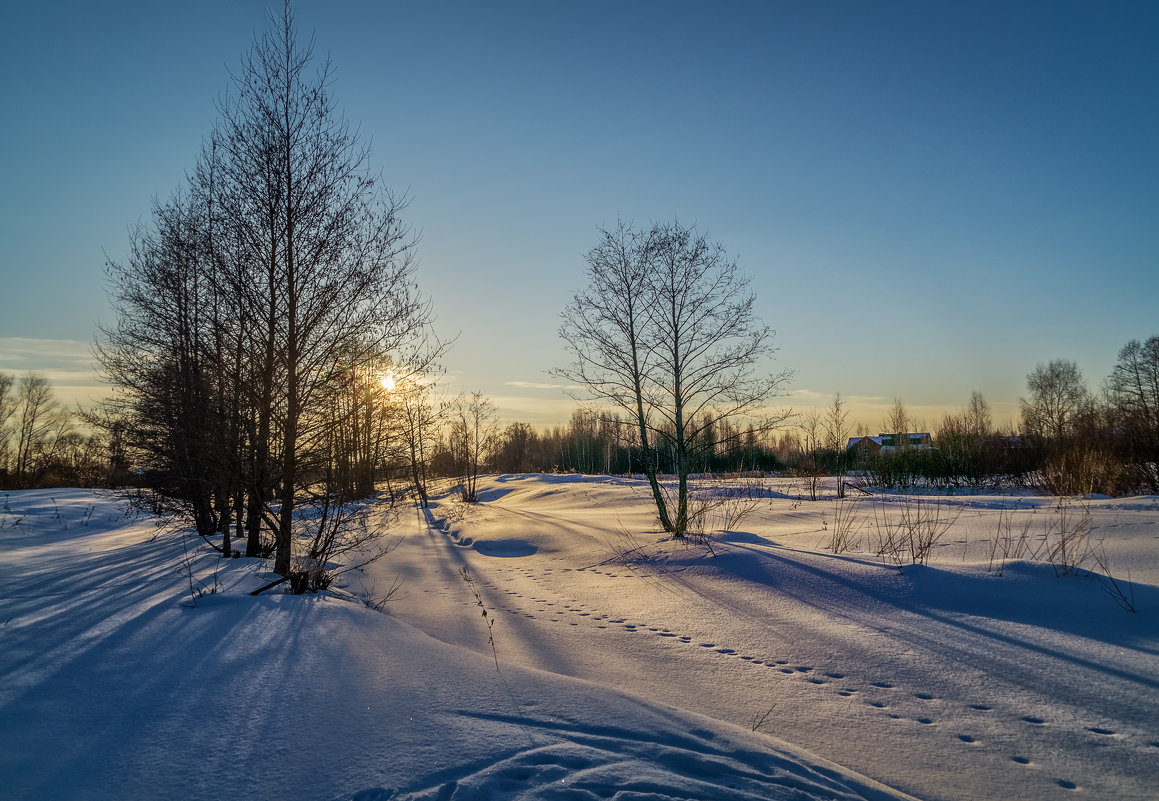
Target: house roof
(879, 440)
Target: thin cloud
(812, 397)
(538, 385)
(26, 353)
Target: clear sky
(932, 197)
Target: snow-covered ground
(623, 665)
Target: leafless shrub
(1067, 539)
(7, 516)
(371, 600)
(334, 530)
(197, 589)
(722, 504)
(1082, 466)
(1010, 542)
(1123, 593)
(846, 526)
(912, 532)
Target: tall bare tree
(667, 332)
(295, 271)
(606, 328)
(157, 353)
(1132, 392)
(711, 348)
(7, 408)
(1058, 399)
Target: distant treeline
(594, 443)
(1069, 441)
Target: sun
(387, 382)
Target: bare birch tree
(667, 331)
(606, 329)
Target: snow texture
(630, 667)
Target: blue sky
(932, 197)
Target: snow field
(630, 666)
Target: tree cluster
(1071, 441)
(1106, 442)
(607, 444)
(262, 313)
(40, 443)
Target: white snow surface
(624, 665)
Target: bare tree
(7, 409)
(474, 434)
(837, 432)
(158, 353)
(515, 448)
(41, 427)
(336, 258)
(1132, 392)
(710, 346)
(1058, 398)
(667, 332)
(296, 273)
(898, 421)
(978, 419)
(420, 421)
(606, 327)
(812, 436)
(963, 442)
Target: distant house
(860, 447)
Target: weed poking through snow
(465, 572)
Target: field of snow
(619, 664)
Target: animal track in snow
(572, 611)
